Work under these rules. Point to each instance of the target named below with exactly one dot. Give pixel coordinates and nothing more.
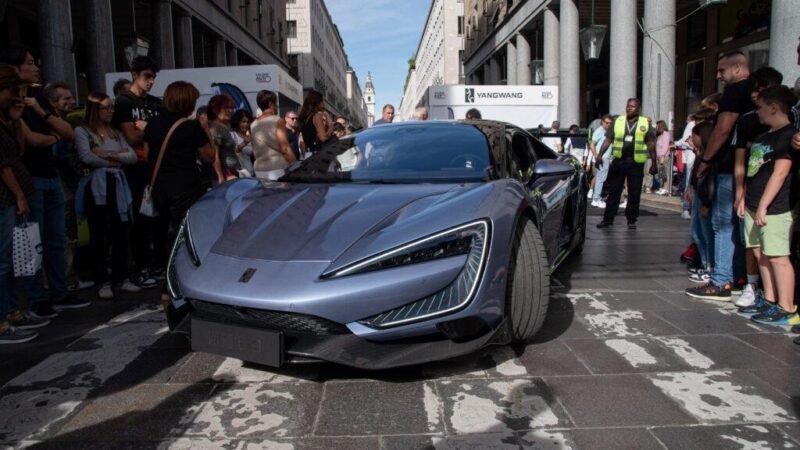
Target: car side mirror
(552, 168)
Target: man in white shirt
(555, 141)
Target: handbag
(27, 249)
(147, 208)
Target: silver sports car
(398, 245)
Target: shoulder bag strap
(163, 148)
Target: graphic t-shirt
(129, 107)
(766, 149)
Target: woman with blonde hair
(106, 197)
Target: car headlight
(183, 239)
(458, 293)
(453, 242)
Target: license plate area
(246, 343)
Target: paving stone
(778, 345)
(371, 408)
(276, 444)
(719, 397)
(199, 368)
(253, 411)
(620, 301)
(784, 380)
(611, 439)
(724, 437)
(588, 400)
(506, 441)
(669, 353)
(792, 430)
(550, 358)
(708, 321)
(682, 301)
(143, 412)
(628, 323)
(499, 406)
(561, 325)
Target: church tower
(369, 97)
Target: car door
(552, 194)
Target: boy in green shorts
(767, 209)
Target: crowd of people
(128, 167)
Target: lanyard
(630, 128)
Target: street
(625, 360)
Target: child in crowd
(702, 234)
(767, 210)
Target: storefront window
(694, 84)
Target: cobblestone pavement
(624, 360)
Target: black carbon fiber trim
(280, 321)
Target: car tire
(528, 285)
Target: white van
(524, 106)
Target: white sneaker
(127, 286)
(601, 204)
(623, 204)
(105, 292)
(747, 298)
(595, 203)
(590, 194)
(686, 214)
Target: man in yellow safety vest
(632, 139)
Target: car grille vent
(269, 319)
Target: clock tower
(369, 99)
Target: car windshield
(401, 153)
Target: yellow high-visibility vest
(639, 146)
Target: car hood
(323, 222)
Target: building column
(55, 42)
(494, 70)
(487, 75)
(569, 87)
(100, 34)
(232, 55)
(220, 58)
(658, 61)
(164, 45)
(184, 42)
(551, 48)
(511, 64)
(523, 61)
(784, 53)
(623, 41)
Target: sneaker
(759, 306)
(646, 190)
(71, 302)
(601, 204)
(604, 224)
(711, 292)
(13, 335)
(738, 286)
(686, 214)
(26, 320)
(631, 225)
(777, 316)
(590, 194)
(44, 310)
(624, 204)
(747, 297)
(157, 273)
(700, 276)
(127, 286)
(689, 254)
(105, 292)
(79, 284)
(145, 281)
(595, 204)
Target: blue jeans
(47, 209)
(728, 245)
(8, 301)
(702, 234)
(602, 175)
(687, 173)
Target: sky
(379, 37)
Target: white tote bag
(27, 249)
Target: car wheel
(528, 291)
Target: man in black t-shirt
(132, 110)
(733, 73)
